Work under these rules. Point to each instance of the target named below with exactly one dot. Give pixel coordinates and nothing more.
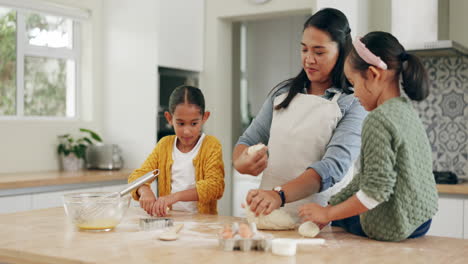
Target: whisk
(91, 208)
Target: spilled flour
(199, 235)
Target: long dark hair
(388, 48)
(335, 23)
(186, 94)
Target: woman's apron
(299, 136)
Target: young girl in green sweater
(394, 196)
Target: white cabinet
(113, 188)
(465, 219)
(48, 199)
(181, 33)
(17, 203)
(55, 199)
(448, 221)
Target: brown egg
(227, 232)
(244, 231)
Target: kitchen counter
(50, 178)
(461, 188)
(44, 236)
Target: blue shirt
(343, 148)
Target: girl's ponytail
(415, 80)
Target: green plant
(77, 146)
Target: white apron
(299, 135)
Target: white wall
(355, 10)
(130, 77)
(273, 55)
(216, 79)
(119, 89)
(30, 145)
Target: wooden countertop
(45, 236)
(461, 188)
(48, 178)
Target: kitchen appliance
(104, 157)
(169, 79)
(445, 177)
(432, 32)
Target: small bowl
(95, 211)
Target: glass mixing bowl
(95, 211)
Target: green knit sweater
(396, 170)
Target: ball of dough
(308, 229)
(279, 219)
(255, 148)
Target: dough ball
(308, 229)
(279, 219)
(255, 148)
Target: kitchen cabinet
(24, 191)
(181, 33)
(465, 220)
(448, 221)
(20, 203)
(54, 199)
(17, 203)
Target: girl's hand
(253, 163)
(263, 201)
(162, 203)
(315, 213)
(147, 198)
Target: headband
(367, 55)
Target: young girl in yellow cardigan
(190, 163)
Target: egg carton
(259, 241)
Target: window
(39, 58)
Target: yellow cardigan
(209, 171)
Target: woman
(311, 124)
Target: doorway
(265, 53)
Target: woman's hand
(315, 213)
(147, 198)
(253, 163)
(263, 201)
(162, 204)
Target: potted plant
(72, 150)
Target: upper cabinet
(181, 34)
(458, 21)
